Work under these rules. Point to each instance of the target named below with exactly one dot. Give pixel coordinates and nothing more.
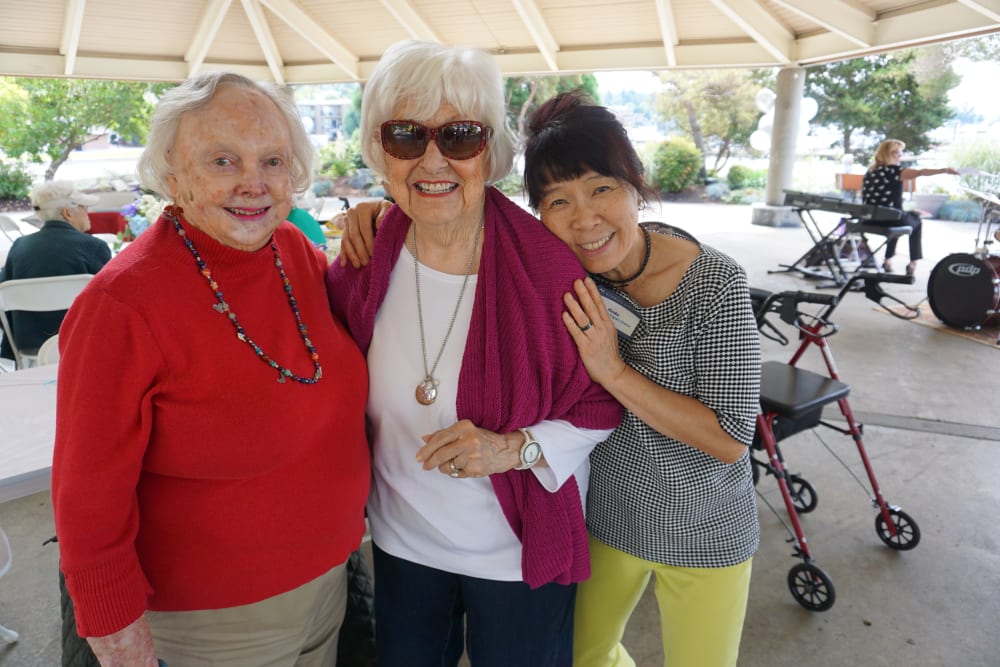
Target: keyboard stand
(840, 253)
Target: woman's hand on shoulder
(359, 224)
(465, 450)
(587, 321)
(132, 646)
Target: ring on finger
(587, 326)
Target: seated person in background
(60, 248)
(883, 186)
(301, 218)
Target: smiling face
(597, 217)
(230, 168)
(433, 189)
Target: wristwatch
(530, 452)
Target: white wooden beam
(837, 17)
(761, 26)
(988, 8)
(668, 29)
(411, 20)
(290, 12)
(205, 35)
(71, 33)
(262, 31)
(533, 20)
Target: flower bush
(141, 213)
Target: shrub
(718, 191)
(740, 177)
(676, 164)
(960, 210)
(512, 184)
(322, 188)
(15, 180)
(338, 158)
(983, 155)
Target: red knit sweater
(185, 476)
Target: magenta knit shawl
(520, 367)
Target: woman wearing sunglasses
(482, 414)
(671, 490)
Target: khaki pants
(298, 628)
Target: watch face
(531, 452)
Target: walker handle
(814, 297)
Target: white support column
(781, 163)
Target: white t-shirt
(425, 516)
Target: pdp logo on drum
(964, 270)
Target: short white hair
(196, 93)
(51, 198)
(416, 78)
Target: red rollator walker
(792, 400)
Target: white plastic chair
(7, 225)
(6, 557)
(48, 353)
(37, 295)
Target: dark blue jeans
(421, 616)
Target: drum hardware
(989, 216)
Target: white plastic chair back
(6, 558)
(48, 353)
(37, 295)
(8, 225)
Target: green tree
(983, 48)
(714, 108)
(526, 93)
(352, 119)
(53, 117)
(888, 95)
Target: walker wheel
(803, 494)
(811, 587)
(907, 531)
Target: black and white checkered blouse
(655, 497)
(883, 185)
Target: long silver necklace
(426, 392)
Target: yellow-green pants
(701, 610)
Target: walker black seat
(791, 391)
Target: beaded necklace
(172, 213)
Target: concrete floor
(930, 402)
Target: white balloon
(766, 122)
(808, 109)
(760, 140)
(765, 99)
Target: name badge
(622, 313)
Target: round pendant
(426, 392)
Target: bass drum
(964, 290)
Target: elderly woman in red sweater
(211, 464)
(482, 413)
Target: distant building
(324, 117)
